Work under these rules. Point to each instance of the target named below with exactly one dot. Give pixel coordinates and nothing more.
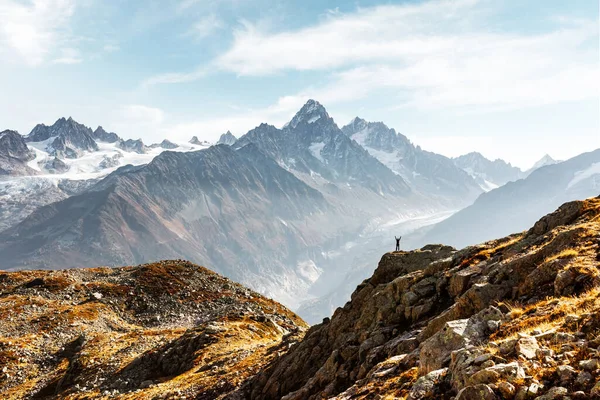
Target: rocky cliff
(512, 318)
(164, 330)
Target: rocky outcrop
(466, 324)
(135, 146)
(198, 142)
(163, 330)
(55, 166)
(103, 136)
(14, 154)
(227, 138)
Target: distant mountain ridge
(516, 205)
(489, 174)
(431, 174)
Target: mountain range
(299, 213)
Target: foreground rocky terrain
(517, 317)
(513, 318)
(156, 331)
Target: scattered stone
(476, 392)
(424, 386)
(554, 393)
(506, 389)
(589, 365)
(527, 347)
(565, 373)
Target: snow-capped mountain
(489, 174)
(312, 144)
(227, 138)
(432, 174)
(14, 154)
(542, 162)
(39, 173)
(66, 138)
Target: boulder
(476, 392)
(435, 351)
(527, 347)
(425, 386)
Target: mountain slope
(208, 206)
(514, 316)
(431, 174)
(515, 206)
(164, 329)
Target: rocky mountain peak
(310, 113)
(12, 144)
(227, 138)
(356, 125)
(542, 162)
(104, 136)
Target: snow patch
(315, 149)
(309, 270)
(592, 170)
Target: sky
(511, 79)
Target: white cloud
(111, 48)
(435, 54)
(33, 31)
(175, 77)
(68, 56)
(206, 26)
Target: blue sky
(511, 79)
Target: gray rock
(589, 365)
(527, 347)
(424, 386)
(477, 392)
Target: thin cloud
(34, 31)
(206, 26)
(68, 56)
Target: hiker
(398, 242)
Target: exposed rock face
(14, 154)
(136, 146)
(170, 329)
(110, 162)
(195, 140)
(414, 319)
(166, 144)
(71, 138)
(227, 138)
(429, 173)
(108, 137)
(55, 166)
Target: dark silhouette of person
(398, 242)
